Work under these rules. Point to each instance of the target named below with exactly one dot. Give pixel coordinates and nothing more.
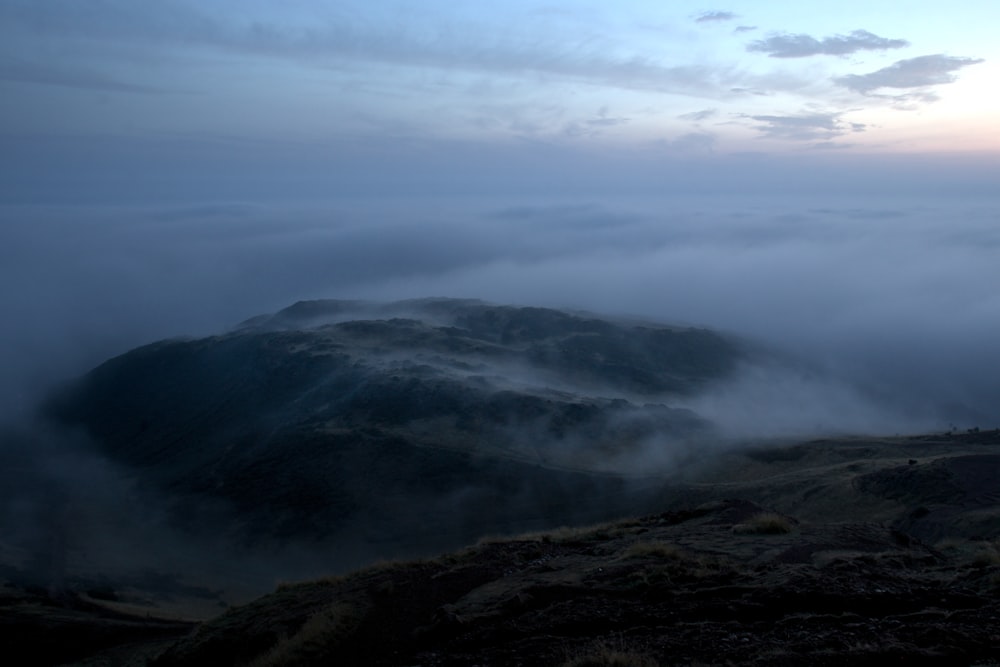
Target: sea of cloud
(878, 315)
(894, 297)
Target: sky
(288, 99)
(823, 176)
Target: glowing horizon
(685, 78)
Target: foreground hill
(837, 551)
(723, 583)
(352, 431)
(419, 424)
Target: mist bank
(175, 169)
(352, 424)
(370, 429)
(890, 294)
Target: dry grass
(613, 652)
(950, 545)
(987, 555)
(565, 534)
(666, 563)
(331, 580)
(975, 553)
(653, 549)
(318, 636)
(380, 566)
(765, 523)
(610, 658)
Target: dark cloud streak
(715, 16)
(808, 127)
(696, 116)
(917, 72)
(20, 71)
(785, 45)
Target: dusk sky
(185, 98)
(825, 176)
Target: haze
(822, 178)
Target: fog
(879, 313)
(893, 295)
(819, 184)
(826, 184)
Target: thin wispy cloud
(350, 45)
(604, 120)
(806, 127)
(917, 72)
(711, 17)
(697, 116)
(692, 142)
(437, 72)
(749, 91)
(593, 126)
(21, 71)
(786, 45)
(832, 145)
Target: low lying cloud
(811, 127)
(692, 142)
(775, 401)
(888, 287)
(70, 516)
(917, 72)
(786, 45)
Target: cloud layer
(785, 45)
(808, 127)
(557, 74)
(917, 72)
(715, 16)
(894, 295)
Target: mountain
(347, 432)
(402, 426)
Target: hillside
(836, 576)
(176, 483)
(837, 551)
(723, 583)
(411, 425)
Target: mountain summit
(424, 422)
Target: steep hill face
(413, 421)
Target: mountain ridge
(291, 410)
(352, 432)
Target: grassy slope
(830, 574)
(312, 433)
(827, 578)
